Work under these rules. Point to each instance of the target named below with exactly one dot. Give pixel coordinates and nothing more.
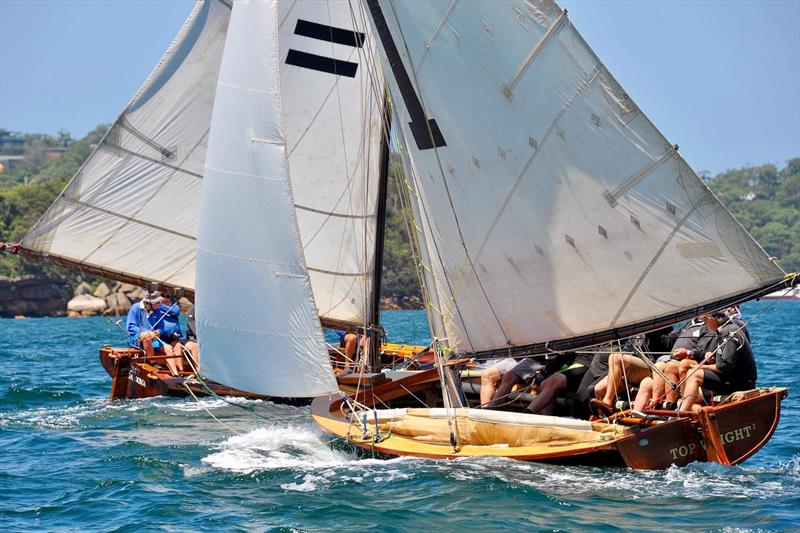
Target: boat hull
(134, 377)
(728, 433)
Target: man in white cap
(141, 333)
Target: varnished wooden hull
(728, 434)
(133, 377)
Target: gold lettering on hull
(729, 437)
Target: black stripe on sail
(329, 33)
(425, 131)
(321, 63)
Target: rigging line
(415, 254)
(652, 263)
(423, 209)
(331, 213)
(446, 185)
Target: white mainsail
(257, 320)
(553, 208)
(131, 212)
(131, 209)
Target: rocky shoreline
(31, 296)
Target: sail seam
(244, 88)
(126, 218)
(245, 259)
(243, 175)
(508, 88)
(264, 333)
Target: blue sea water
(70, 460)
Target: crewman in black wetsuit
(727, 362)
(568, 378)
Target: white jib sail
(132, 207)
(554, 207)
(257, 322)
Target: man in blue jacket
(146, 324)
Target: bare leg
(350, 346)
(506, 384)
(691, 389)
(615, 361)
(194, 349)
(545, 401)
(147, 345)
(489, 378)
(174, 364)
(600, 388)
(644, 395)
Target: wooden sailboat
(555, 216)
(132, 211)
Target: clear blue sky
(720, 78)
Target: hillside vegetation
(764, 198)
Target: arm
(726, 358)
(133, 325)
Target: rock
(102, 290)
(136, 294)
(32, 296)
(126, 288)
(117, 304)
(83, 288)
(86, 305)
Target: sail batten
(556, 210)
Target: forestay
(257, 320)
(131, 211)
(553, 207)
(132, 207)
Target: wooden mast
(373, 333)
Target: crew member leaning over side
(728, 364)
